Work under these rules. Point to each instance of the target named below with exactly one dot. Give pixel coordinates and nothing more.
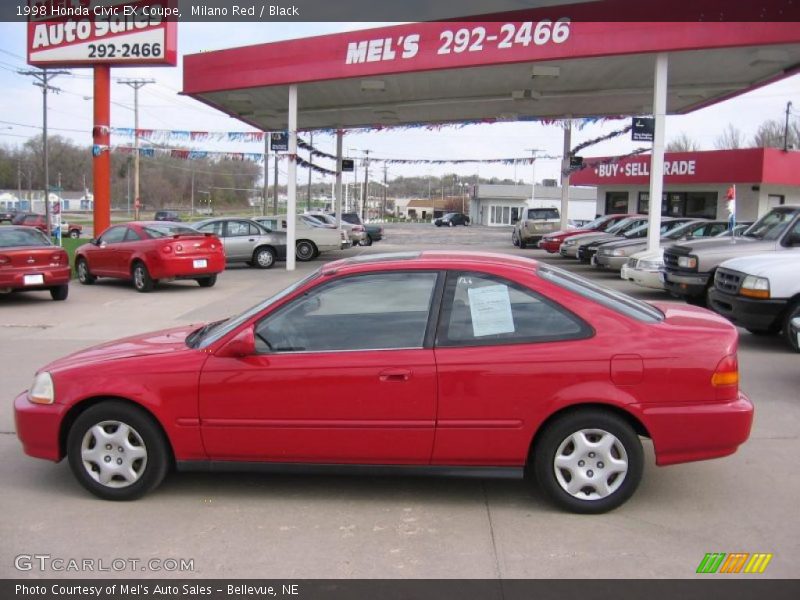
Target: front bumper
(693, 432)
(610, 262)
(748, 312)
(38, 427)
(647, 279)
(686, 284)
(550, 247)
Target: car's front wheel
(367, 241)
(84, 275)
(588, 461)
(74, 234)
(791, 326)
(116, 451)
(305, 250)
(264, 258)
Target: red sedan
(151, 251)
(552, 241)
(29, 261)
(465, 363)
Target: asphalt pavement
(268, 526)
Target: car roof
(436, 259)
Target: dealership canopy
(544, 63)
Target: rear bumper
(611, 262)
(748, 312)
(15, 278)
(551, 247)
(183, 267)
(38, 427)
(686, 284)
(698, 431)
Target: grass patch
(70, 246)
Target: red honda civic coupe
(29, 261)
(151, 251)
(472, 364)
(552, 241)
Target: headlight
(618, 252)
(687, 262)
(42, 391)
(755, 287)
(570, 243)
(650, 265)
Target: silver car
(246, 241)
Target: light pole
(533, 152)
(136, 84)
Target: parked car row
(72, 230)
(149, 252)
(751, 275)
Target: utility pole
(786, 128)
(275, 187)
(365, 199)
(43, 78)
(533, 152)
(191, 199)
(136, 84)
(19, 182)
(385, 187)
(310, 169)
(266, 174)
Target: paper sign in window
(490, 308)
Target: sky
(161, 107)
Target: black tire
(84, 275)
(515, 239)
(142, 281)
(264, 257)
(74, 234)
(438, 224)
(558, 433)
(450, 224)
(522, 243)
(793, 312)
(59, 292)
(207, 282)
(367, 241)
(771, 331)
(149, 471)
(305, 250)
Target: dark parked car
(8, 215)
(452, 219)
(374, 232)
(167, 215)
(72, 230)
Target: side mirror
(243, 344)
(93, 242)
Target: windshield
(666, 226)
(351, 218)
(166, 230)
(622, 225)
(208, 334)
(771, 225)
(685, 229)
(29, 236)
(596, 223)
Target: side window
(132, 236)
(238, 229)
(30, 220)
(714, 229)
(214, 227)
(481, 309)
(113, 235)
(255, 229)
(365, 312)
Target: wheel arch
(613, 409)
(77, 409)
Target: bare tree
(682, 143)
(730, 139)
(770, 134)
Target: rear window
(10, 238)
(616, 301)
(543, 213)
(166, 230)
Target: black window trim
(430, 325)
(442, 341)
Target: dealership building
(696, 183)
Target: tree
(730, 139)
(682, 143)
(770, 134)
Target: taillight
(726, 378)
(178, 247)
(166, 249)
(56, 256)
(4, 260)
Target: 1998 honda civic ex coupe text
(464, 364)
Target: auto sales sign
(70, 33)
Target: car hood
(770, 263)
(726, 246)
(158, 342)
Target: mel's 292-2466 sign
(70, 33)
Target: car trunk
(33, 256)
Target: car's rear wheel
(207, 282)
(141, 278)
(450, 224)
(367, 241)
(59, 292)
(264, 258)
(522, 243)
(791, 326)
(74, 234)
(305, 250)
(84, 275)
(588, 461)
(116, 451)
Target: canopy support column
(565, 174)
(291, 200)
(657, 158)
(338, 206)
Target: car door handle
(395, 375)
(252, 240)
